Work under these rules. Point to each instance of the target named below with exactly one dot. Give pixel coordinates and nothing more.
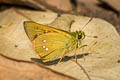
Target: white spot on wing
(43, 40)
(46, 49)
(43, 47)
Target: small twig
(82, 68)
(22, 14)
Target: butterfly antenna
(87, 23)
(92, 36)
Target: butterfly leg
(83, 50)
(76, 55)
(83, 53)
(63, 53)
(76, 51)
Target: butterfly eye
(79, 36)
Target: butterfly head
(80, 35)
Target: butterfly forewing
(49, 46)
(33, 30)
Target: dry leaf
(62, 5)
(12, 69)
(113, 3)
(47, 5)
(103, 52)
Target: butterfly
(50, 43)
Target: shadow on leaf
(66, 58)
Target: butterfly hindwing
(49, 46)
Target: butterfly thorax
(78, 36)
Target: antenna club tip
(92, 36)
(95, 36)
